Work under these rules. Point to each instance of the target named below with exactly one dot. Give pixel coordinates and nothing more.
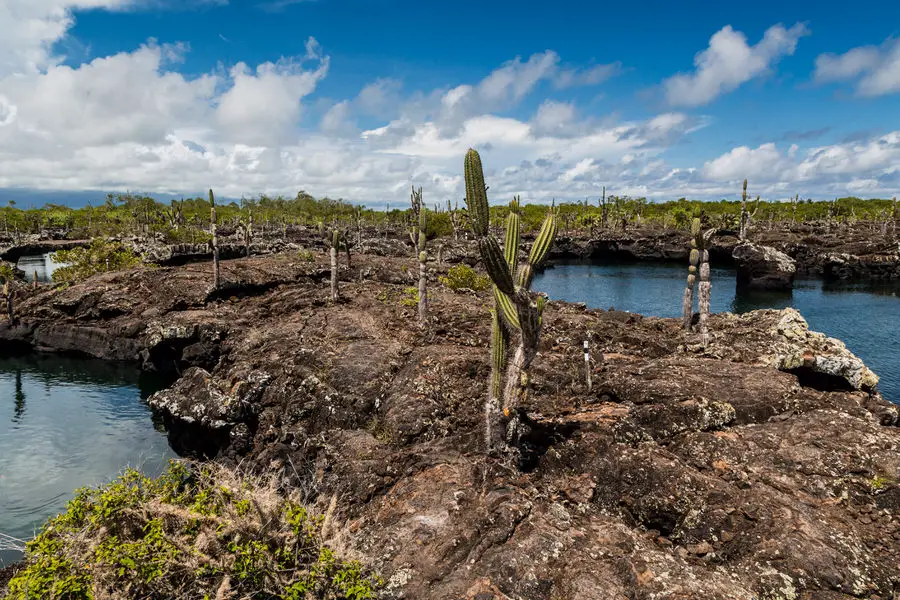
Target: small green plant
(410, 297)
(100, 256)
(305, 255)
(464, 277)
(879, 483)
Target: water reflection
(74, 422)
(19, 402)
(41, 265)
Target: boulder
(763, 268)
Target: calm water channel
(865, 317)
(66, 423)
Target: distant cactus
(215, 239)
(333, 241)
(455, 219)
(516, 306)
(746, 215)
(248, 231)
(7, 292)
(699, 257)
(417, 234)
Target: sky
(360, 99)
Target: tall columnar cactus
(8, 297)
(417, 234)
(896, 211)
(746, 215)
(456, 219)
(519, 307)
(248, 231)
(699, 257)
(333, 242)
(215, 239)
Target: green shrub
(410, 297)
(100, 256)
(194, 532)
(463, 277)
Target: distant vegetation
(188, 220)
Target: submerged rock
(763, 268)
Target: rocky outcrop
(764, 464)
(763, 268)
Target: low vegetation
(100, 256)
(464, 277)
(200, 532)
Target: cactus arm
(495, 264)
(476, 193)
(507, 308)
(539, 250)
(499, 342)
(511, 244)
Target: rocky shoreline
(830, 253)
(763, 465)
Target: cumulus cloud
(133, 121)
(837, 168)
(875, 69)
(729, 62)
(263, 105)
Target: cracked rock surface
(764, 465)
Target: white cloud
(876, 69)
(742, 162)
(133, 121)
(264, 107)
(729, 62)
(836, 168)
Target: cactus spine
(518, 307)
(417, 234)
(215, 239)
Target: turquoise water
(865, 317)
(66, 423)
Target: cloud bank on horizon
(136, 119)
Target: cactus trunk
(215, 239)
(704, 293)
(249, 233)
(10, 307)
(417, 234)
(493, 418)
(423, 289)
(334, 274)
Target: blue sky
(361, 98)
